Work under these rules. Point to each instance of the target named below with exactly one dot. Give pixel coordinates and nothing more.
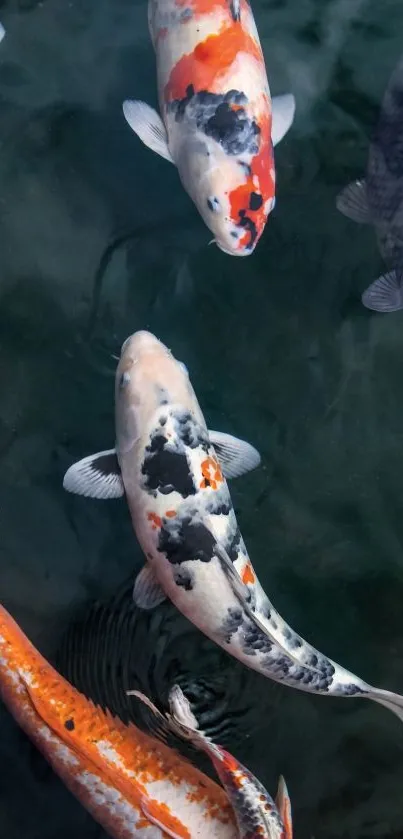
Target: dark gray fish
(378, 199)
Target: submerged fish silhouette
(173, 471)
(378, 200)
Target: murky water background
(98, 240)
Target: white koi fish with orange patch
(133, 785)
(173, 471)
(257, 815)
(219, 124)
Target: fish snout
(140, 343)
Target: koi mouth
(244, 252)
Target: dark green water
(97, 240)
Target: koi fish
(135, 786)
(378, 199)
(219, 124)
(173, 472)
(257, 815)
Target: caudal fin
(390, 700)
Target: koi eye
(124, 380)
(183, 367)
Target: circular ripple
(113, 647)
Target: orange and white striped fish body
(173, 472)
(218, 123)
(133, 785)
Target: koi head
(147, 378)
(233, 193)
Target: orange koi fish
(258, 817)
(219, 123)
(133, 785)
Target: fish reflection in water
(378, 199)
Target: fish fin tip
(96, 476)
(160, 727)
(385, 294)
(237, 457)
(157, 815)
(148, 125)
(283, 112)
(147, 591)
(352, 202)
(283, 804)
(180, 709)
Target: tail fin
(283, 805)
(390, 700)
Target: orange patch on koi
(248, 575)
(156, 520)
(212, 474)
(209, 60)
(170, 514)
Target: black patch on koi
(184, 579)
(189, 432)
(231, 623)
(235, 10)
(255, 201)
(248, 224)
(69, 725)
(222, 509)
(351, 690)
(255, 640)
(213, 114)
(190, 541)
(233, 130)
(165, 470)
(234, 546)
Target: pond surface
(98, 240)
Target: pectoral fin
(236, 456)
(148, 125)
(96, 476)
(283, 110)
(352, 201)
(147, 592)
(385, 294)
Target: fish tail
(390, 700)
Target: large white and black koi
(219, 124)
(257, 815)
(173, 472)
